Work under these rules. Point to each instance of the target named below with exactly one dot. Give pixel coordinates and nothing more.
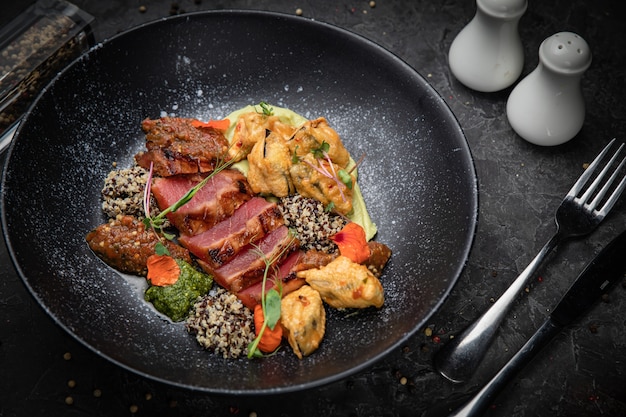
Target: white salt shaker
(547, 107)
(487, 55)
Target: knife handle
(483, 399)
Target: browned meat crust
(176, 146)
(379, 255)
(125, 244)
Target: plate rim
(469, 241)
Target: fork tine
(616, 194)
(600, 178)
(589, 171)
(606, 186)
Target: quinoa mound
(221, 323)
(313, 225)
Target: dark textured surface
(581, 373)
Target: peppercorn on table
(46, 372)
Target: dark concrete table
(45, 372)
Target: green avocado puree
(176, 300)
(359, 214)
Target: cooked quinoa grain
(123, 192)
(221, 323)
(314, 226)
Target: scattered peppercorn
(71, 383)
(97, 393)
(133, 409)
(69, 400)
(142, 9)
(372, 4)
(593, 328)
(605, 298)
(67, 356)
(299, 12)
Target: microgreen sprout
(266, 109)
(270, 301)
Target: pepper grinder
(487, 55)
(547, 107)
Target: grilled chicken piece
(176, 146)
(303, 319)
(125, 244)
(345, 284)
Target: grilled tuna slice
(176, 146)
(125, 244)
(250, 222)
(248, 266)
(284, 277)
(225, 192)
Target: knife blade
(596, 279)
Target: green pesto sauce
(176, 300)
(359, 213)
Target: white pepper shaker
(547, 107)
(487, 55)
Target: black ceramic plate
(418, 180)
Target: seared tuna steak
(250, 222)
(217, 200)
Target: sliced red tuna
(250, 222)
(225, 192)
(285, 277)
(248, 266)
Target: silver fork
(578, 215)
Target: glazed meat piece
(125, 244)
(345, 284)
(303, 319)
(251, 221)
(379, 256)
(176, 146)
(224, 193)
(314, 259)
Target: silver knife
(607, 268)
